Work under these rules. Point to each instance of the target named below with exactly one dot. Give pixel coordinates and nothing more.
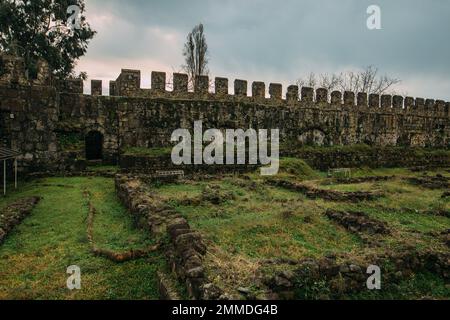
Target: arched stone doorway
(94, 145)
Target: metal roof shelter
(8, 154)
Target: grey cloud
(286, 39)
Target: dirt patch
(358, 222)
(14, 213)
(331, 195)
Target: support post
(4, 177)
(15, 173)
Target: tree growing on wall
(366, 80)
(54, 30)
(195, 53)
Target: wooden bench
(172, 173)
(340, 172)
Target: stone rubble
(436, 182)
(358, 222)
(344, 277)
(332, 195)
(14, 213)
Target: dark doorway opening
(94, 146)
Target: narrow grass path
(35, 256)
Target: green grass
(398, 172)
(365, 186)
(34, 257)
(423, 285)
(344, 148)
(103, 168)
(364, 148)
(404, 208)
(149, 152)
(264, 222)
(298, 168)
(254, 224)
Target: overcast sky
(275, 41)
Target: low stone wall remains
(14, 213)
(186, 247)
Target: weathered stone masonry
(186, 246)
(34, 113)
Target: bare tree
(366, 80)
(196, 55)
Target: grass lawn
(256, 222)
(35, 256)
(261, 221)
(148, 152)
(243, 220)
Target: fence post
(15, 173)
(4, 177)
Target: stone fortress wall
(35, 113)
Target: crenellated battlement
(36, 111)
(128, 84)
(12, 71)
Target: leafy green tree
(45, 29)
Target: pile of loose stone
(431, 182)
(331, 195)
(358, 222)
(344, 276)
(14, 213)
(445, 236)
